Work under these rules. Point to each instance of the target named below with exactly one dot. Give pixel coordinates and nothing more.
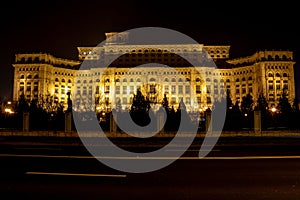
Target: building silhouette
(110, 74)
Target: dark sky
(58, 27)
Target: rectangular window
(117, 89)
(152, 89)
(208, 100)
(208, 89)
(131, 89)
(250, 90)
(106, 89)
(173, 89)
(198, 89)
(187, 89)
(277, 87)
(180, 89)
(173, 100)
(166, 89)
(124, 89)
(188, 100)
(124, 100)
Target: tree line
(48, 115)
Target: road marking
(192, 150)
(153, 158)
(75, 174)
(28, 148)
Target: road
(237, 168)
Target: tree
(247, 104)
(139, 110)
(285, 110)
(266, 117)
(262, 103)
(284, 105)
(247, 111)
(165, 102)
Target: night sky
(58, 27)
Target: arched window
(270, 75)
(124, 80)
(166, 80)
(277, 75)
(237, 80)
(131, 80)
(77, 81)
(36, 76)
(207, 80)
(243, 79)
(173, 80)
(285, 75)
(180, 80)
(56, 80)
(152, 79)
(117, 80)
(250, 78)
(197, 79)
(228, 81)
(69, 81)
(22, 76)
(63, 80)
(215, 80)
(29, 76)
(138, 80)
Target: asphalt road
(239, 168)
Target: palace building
(97, 80)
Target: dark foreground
(240, 168)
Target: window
(152, 89)
(198, 99)
(106, 89)
(180, 89)
(124, 89)
(173, 89)
(173, 100)
(131, 89)
(166, 89)
(117, 89)
(208, 100)
(188, 89)
(208, 89)
(188, 100)
(271, 87)
(124, 100)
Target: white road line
(75, 174)
(192, 150)
(28, 148)
(155, 158)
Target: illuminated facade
(42, 76)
